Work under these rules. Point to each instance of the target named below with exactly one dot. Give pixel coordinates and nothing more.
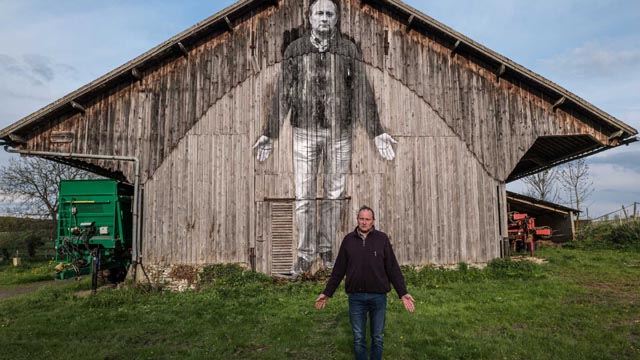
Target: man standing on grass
(368, 261)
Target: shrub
(609, 236)
(25, 236)
(231, 275)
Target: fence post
(635, 206)
(626, 216)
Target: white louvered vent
(281, 237)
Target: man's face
(323, 16)
(365, 221)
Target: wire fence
(625, 213)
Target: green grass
(28, 272)
(581, 305)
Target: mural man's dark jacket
(321, 88)
(369, 264)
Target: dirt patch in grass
(626, 292)
(534, 260)
(549, 243)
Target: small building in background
(559, 218)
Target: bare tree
(575, 180)
(32, 184)
(543, 185)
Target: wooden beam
(456, 48)
(559, 103)
(616, 135)
(183, 49)
(501, 71)
(410, 22)
(17, 139)
(536, 159)
(136, 73)
(229, 24)
(77, 106)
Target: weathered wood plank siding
(193, 120)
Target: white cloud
(598, 59)
(613, 177)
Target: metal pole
(136, 185)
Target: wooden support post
(616, 135)
(229, 23)
(409, 22)
(136, 74)
(501, 71)
(635, 207)
(624, 211)
(77, 106)
(183, 49)
(559, 103)
(456, 48)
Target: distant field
(581, 305)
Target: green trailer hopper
(94, 229)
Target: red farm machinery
(523, 232)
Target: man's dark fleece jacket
(369, 264)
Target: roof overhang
(550, 151)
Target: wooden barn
(407, 116)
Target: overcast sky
(590, 47)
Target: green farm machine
(94, 229)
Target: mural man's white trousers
(310, 146)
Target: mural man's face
(324, 16)
(365, 221)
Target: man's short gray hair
(365, 207)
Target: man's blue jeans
(361, 305)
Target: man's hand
(383, 143)
(321, 301)
(407, 301)
(264, 145)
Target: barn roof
(537, 205)
(565, 148)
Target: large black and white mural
(324, 93)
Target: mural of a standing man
(323, 90)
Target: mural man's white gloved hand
(383, 143)
(265, 146)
